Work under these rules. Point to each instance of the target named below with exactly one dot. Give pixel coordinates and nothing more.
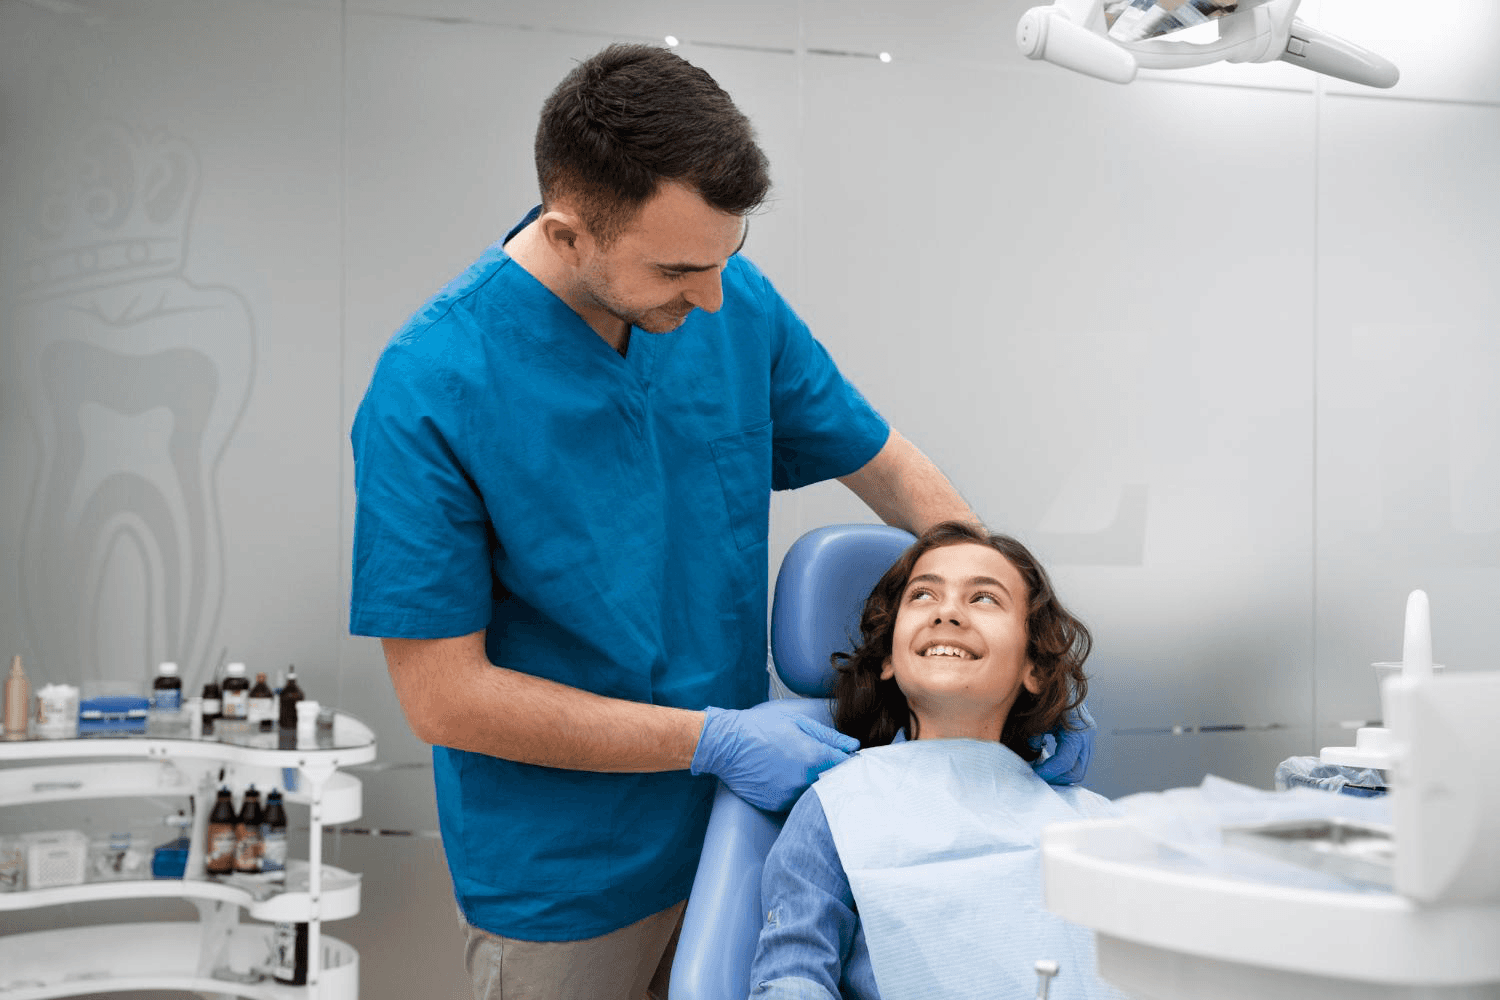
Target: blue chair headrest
(820, 592)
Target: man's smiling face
(668, 261)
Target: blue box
(170, 859)
(114, 714)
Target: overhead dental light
(1110, 39)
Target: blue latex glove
(765, 755)
(1072, 746)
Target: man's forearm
(904, 488)
(454, 697)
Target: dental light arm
(1074, 34)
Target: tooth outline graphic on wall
(135, 381)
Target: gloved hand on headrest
(765, 755)
(1071, 745)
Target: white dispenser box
(54, 857)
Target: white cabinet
(218, 953)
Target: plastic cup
(1385, 671)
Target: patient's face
(959, 648)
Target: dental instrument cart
(1166, 934)
(186, 955)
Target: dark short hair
(632, 116)
(873, 710)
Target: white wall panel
(175, 336)
(1103, 333)
(1409, 390)
(1445, 52)
(769, 24)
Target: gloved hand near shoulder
(765, 755)
(1072, 746)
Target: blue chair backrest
(820, 592)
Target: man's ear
(564, 234)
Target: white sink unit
(1166, 933)
(217, 954)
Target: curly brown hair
(873, 710)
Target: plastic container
(170, 859)
(55, 857)
(113, 714)
(307, 721)
(57, 712)
(17, 701)
(1384, 672)
(117, 856)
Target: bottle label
(261, 708)
(211, 707)
(221, 843)
(236, 704)
(273, 850)
(289, 948)
(247, 849)
(166, 699)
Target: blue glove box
(115, 714)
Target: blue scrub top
(604, 518)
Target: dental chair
(820, 592)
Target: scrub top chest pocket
(743, 460)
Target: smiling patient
(913, 869)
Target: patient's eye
(985, 596)
(918, 594)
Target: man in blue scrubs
(564, 464)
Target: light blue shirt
(812, 946)
(885, 869)
(605, 519)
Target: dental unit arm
(1075, 34)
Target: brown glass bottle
(236, 694)
(289, 948)
(247, 835)
(291, 693)
(211, 704)
(218, 853)
(273, 838)
(262, 705)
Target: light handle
(1048, 33)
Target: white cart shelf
(158, 956)
(217, 954)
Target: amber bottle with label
(218, 853)
(247, 834)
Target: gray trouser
(632, 963)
